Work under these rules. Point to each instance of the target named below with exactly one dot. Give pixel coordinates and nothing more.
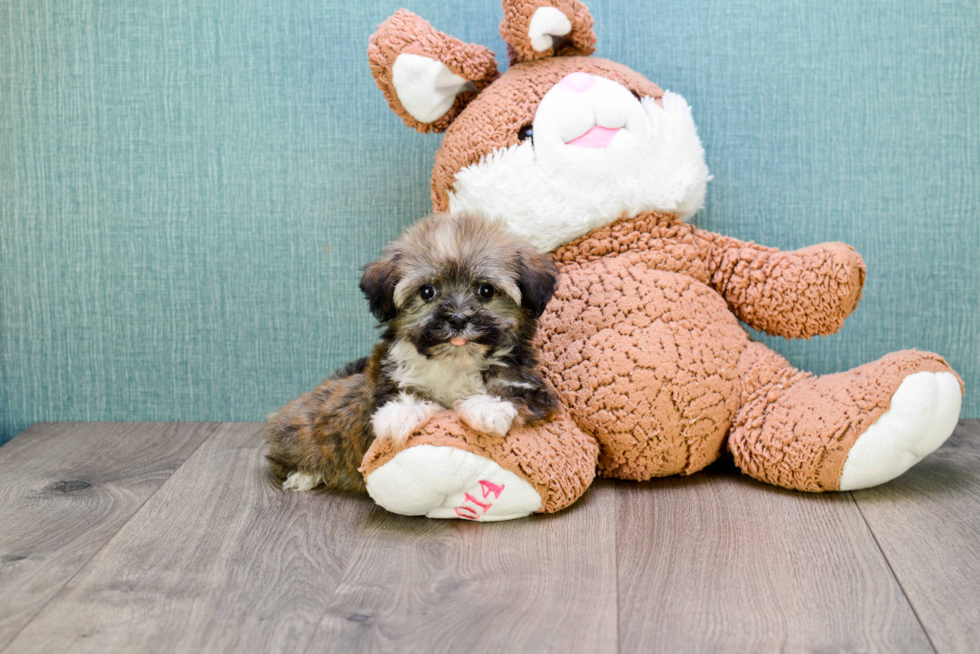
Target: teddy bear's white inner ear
(547, 22)
(426, 88)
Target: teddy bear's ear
(534, 29)
(427, 77)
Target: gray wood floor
(169, 538)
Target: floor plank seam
(898, 581)
(340, 579)
(616, 553)
(214, 428)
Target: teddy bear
(601, 168)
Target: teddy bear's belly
(645, 361)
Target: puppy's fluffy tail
(281, 431)
(352, 368)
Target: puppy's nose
(457, 321)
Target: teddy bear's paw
(402, 417)
(446, 482)
(301, 482)
(922, 415)
(487, 414)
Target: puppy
(458, 298)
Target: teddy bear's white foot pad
(445, 482)
(922, 415)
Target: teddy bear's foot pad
(446, 482)
(922, 415)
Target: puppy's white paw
(399, 419)
(487, 414)
(301, 481)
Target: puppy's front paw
(399, 419)
(487, 414)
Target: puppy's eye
(526, 133)
(427, 292)
(486, 291)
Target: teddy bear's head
(559, 144)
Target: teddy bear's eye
(427, 292)
(526, 133)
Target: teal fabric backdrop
(188, 187)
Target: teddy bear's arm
(794, 294)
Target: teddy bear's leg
(447, 470)
(844, 431)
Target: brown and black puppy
(458, 298)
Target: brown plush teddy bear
(599, 166)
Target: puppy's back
(325, 432)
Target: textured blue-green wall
(188, 187)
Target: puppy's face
(458, 285)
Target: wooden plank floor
(170, 537)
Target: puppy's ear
(378, 285)
(536, 278)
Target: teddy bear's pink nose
(577, 82)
